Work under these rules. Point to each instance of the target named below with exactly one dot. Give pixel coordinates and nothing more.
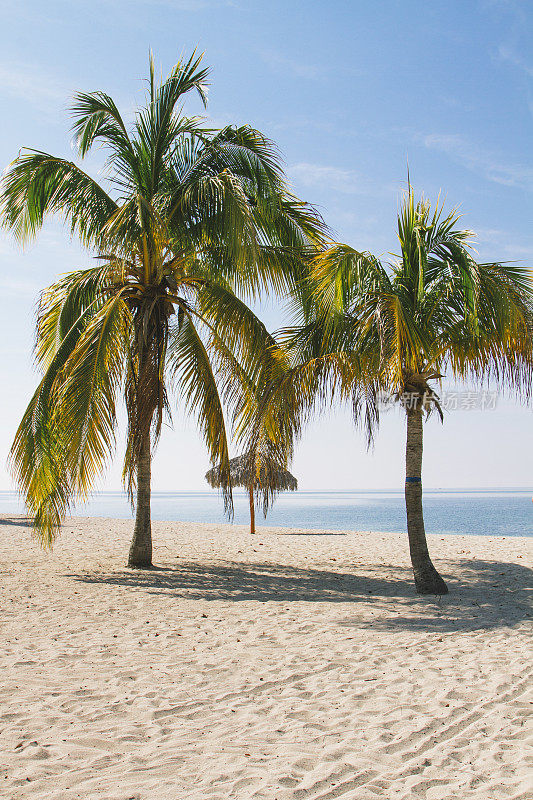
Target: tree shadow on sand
(19, 522)
(489, 593)
(313, 533)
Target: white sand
(283, 666)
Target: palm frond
(38, 453)
(38, 184)
(63, 304)
(90, 381)
(193, 372)
(235, 325)
(96, 116)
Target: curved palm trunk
(252, 509)
(427, 579)
(140, 554)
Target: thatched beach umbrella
(243, 472)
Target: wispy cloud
(295, 67)
(29, 82)
(19, 288)
(495, 243)
(301, 68)
(346, 181)
(187, 5)
(510, 55)
(305, 123)
(478, 160)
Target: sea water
(482, 512)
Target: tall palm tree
(187, 224)
(375, 329)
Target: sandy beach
(286, 666)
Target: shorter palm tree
(374, 329)
(244, 471)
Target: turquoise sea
(483, 512)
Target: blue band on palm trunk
(413, 480)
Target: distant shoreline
(506, 512)
(265, 529)
(393, 490)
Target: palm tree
(188, 223)
(377, 329)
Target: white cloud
(9, 286)
(29, 82)
(478, 160)
(497, 244)
(187, 5)
(346, 181)
(510, 55)
(295, 67)
(342, 180)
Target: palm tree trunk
(140, 555)
(427, 579)
(252, 509)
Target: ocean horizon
(477, 511)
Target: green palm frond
(236, 325)
(90, 381)
(157, 126)
(38, 453)
(196, 382)
(96, 117)
(63, 304)
(38, 184)
(227, 222)
(340, 274)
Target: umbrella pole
(252, 509)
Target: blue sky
(350, 90)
